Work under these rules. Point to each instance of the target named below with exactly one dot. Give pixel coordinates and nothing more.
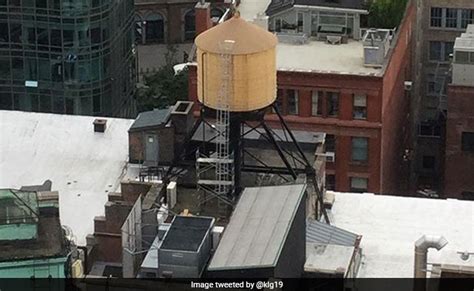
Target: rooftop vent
(100, 125)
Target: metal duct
(421, 254)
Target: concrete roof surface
(258, 227)
(83, 165)
(390, 225)
(321, 57)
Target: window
(292, 102)
(4, 32)
(435, 85)
(467, 17)
(330, 143)
(359, 110)
(359, 185)
(428, 162)
(189, 25)
(451, 17)
(441, 51)
(138, 29)
(359, 149)
(468, 195)
(278, 25)
(330, 182)
(316, 103)
(300, 22)
(154, 28)
(468, 141)
(279, 101)
(436, 16)
(333, 103)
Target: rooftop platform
(83, 165)
(321, 57)
(390, 225)
(187, 233)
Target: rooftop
(258, 227)
(322, 233)
(321, 57)
(277, 5)
(83, 165)
(328, 258)
(390, 225)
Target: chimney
(203, 17)
(100, 125)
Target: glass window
(95, 69)
(360, 106)
(44, 70)
(95, 35)
(86, 105)
(17, 69)
(359, 185)
(451, 17)
(462, 57)
(30, 69)
(467, 141)
(332, 103)
(45, 103)
(31, 35)
(467, 17)
(330, 182)
(138, 29)
(435, 51)
(4, 37)
(68, 37)
(6, 100)
(436, 16)
(448, 50)
(56, 72)
(155, 28)
(360, 149)
(5, 68)
(43, 38)
(189, 25)
(15, 32)
(96, 108)
(278, 25)
(316, 103)
(330, 143)
(299, 22)
(292, 102)
(56, 39)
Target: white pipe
(422, 245)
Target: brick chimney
(203, 16)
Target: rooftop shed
(265, 236)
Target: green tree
(386, 13)
(163, 88)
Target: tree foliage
(386, 13)
(163, 88)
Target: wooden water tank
(252, 83)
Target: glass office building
(67, 56)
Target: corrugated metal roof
(258, 227)
(318, 232)
(151, 118)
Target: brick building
(459, 176)
(439, 22)
(359, 101)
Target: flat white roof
(83, 165)
(321, 57)
(390, 225)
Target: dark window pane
(17, 69)
(96, 104)
(44, 70)
(68, 37)
(56, 39)
(15, 32)
(317, 103)
(359, 185)
(428, 162)
(95, 35)
(468, 141)
(6, 101)
(4, 32)
(293, 102)
(5, 68)
(43, 36)
(436, 16)
(30, 69)
(189, 25)
(333, 103)
(330, 143)
(45, 103)
(359, 149)
(330, 182)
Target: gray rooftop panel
(186, 233)
(258, 227)
(151, 118)
(318, 232)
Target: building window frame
(292, 102)
(332, 100)
(359, 184)
(467, 142)
(360, 150)
(359, 106)
(317, 99)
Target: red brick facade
(459, 173)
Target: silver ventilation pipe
(422, 245)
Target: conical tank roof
(248, 38)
